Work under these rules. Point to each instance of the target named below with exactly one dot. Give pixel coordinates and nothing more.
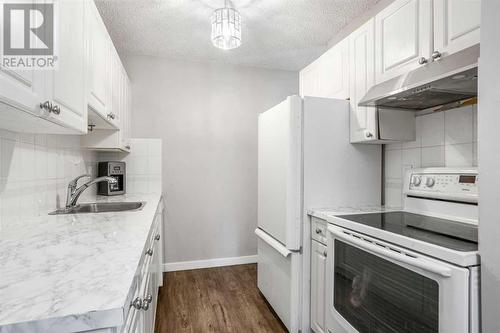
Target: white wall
(206, 115)
(489, 157)
(443, 139)
(35, 171)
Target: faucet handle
(74, 182)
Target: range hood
(448, 80)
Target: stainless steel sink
(101, 207)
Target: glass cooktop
(447, 233)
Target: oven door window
(374, 295)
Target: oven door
(375, 287)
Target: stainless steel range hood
(451, 79)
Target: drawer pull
(318, 231)
(146, 302)
(157, 237)
(137, 303)
(149, 252)
(325, 254)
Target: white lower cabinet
(142, 313)
(318, 286)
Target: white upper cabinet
(99, 61)
(456, 25)
(362, 77)
(403, 38)
(65, 87)
(309, 80)
(334, 72)
(328, 76)
(24, 91)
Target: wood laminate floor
(223, 299)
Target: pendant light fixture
(226, 27)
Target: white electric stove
(410, 270)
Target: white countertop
(71, 271)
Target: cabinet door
(98, 61)
(403, 37)
(456, 25)
(65, 87)
(21, 90)
(309, 80)
(333, 72)
(318, 287)
(363, 120)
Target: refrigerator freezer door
(280, 172)
(278, 278)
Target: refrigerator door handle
(273, 243)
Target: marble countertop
(71, 272)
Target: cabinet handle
(147, 301)
(111, 115)
(369, 135)
(56, 109)
(318, 231)
(157, 237)
(149, 252)
(137, 303)
(47, 106)
(325, 253)
(422, 61)
(128, 147)
(436, 55)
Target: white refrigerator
(305, 160)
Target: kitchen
(222, 166)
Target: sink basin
(101, 207)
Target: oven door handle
(418, 262)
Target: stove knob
(430, 182)
(417, 180)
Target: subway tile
(393, 164)
(393, 146)
(458, 125)
(433, 156)
(459, 155)
(393, 193)
(418, 137)
(432, 129)
(411, 158)
(475, 161)
(41, 163)
(474, 122)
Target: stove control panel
(449, 184)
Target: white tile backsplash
(433, 157)
(443, 139)
(458, 125)
(459, 155)
(143, 165)
(432, 129)
(35, 170)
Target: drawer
(318, 230)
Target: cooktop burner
(450, 234)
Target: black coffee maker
(115, 170)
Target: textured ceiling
(281, 34)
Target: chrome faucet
(74, 192)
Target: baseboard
(217, 262)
